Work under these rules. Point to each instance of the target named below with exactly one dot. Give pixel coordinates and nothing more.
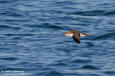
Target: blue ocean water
(32, 41)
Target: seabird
(75, 34)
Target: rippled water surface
(32, 41)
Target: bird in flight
(75, 34)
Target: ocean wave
(94, 13)
(105, 36)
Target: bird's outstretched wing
(76, 38)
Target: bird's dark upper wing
(76, 38)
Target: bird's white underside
(72, 34)
(82, 34)
(69, 34)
